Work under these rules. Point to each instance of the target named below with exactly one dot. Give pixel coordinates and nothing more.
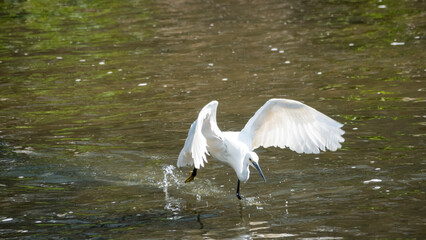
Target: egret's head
(254, 162)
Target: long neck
(235, 155)
(243, 171)
(245, 174)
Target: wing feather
(289, 123)
(202, 133)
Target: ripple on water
(374, 180)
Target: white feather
(203, 133)
(288, 123)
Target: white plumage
(278, 123)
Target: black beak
(258, 169)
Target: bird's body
(279, 123)
(232, 149)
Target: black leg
(238, 190)
(193, 174)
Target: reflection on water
(96, 98)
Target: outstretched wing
(203, 133)
(288, 123)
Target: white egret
(278, 123)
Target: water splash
(169, 180)
(169, 177)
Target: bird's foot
(193, 174)
(190, 178)
(239, 196)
